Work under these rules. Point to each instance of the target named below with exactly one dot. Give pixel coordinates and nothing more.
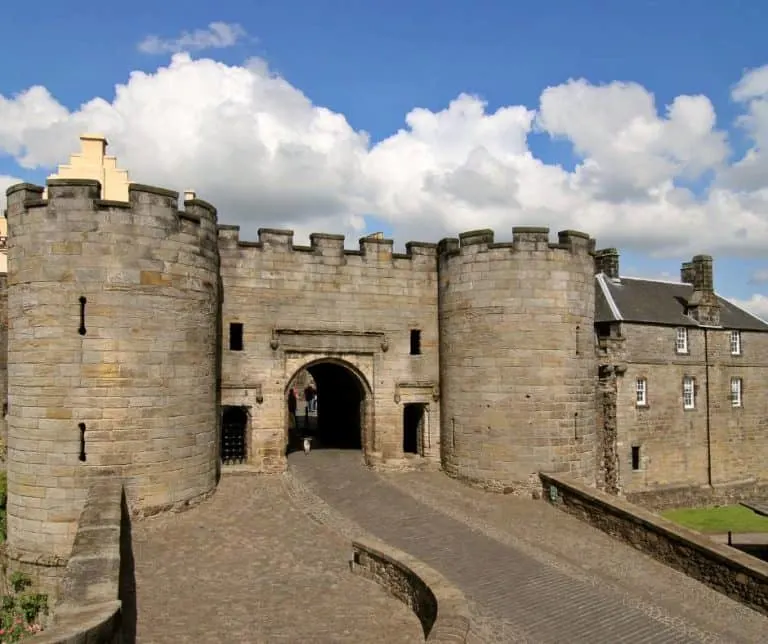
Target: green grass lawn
(721, 519)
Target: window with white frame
(689, 393)
(681, 342)
(735, 343)
(641, 392)
(735, 392)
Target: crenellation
(576, 241)
(228, 233)
(377, 249)
(69, 193)
(482, 238)
(426, 249)
(272, 238)
(201, 209)
(448, 246)
(326, 245)
(530, 237)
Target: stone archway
(344, 407)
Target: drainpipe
(709, 414)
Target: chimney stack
(703, 305)
(607, 262)
(686, 273)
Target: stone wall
(300, 305)
(517, 361)
(698, 496)
(715, 442)
(90, 609)
(3, 363)
(439, 605)
(725, 569)
(112, 311)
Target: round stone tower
(112, 334)
(517, 361)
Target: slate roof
(657, 302)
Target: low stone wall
(440, 606)
(90, 608)
(725, 569)
(698, 496)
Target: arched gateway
(342, 416)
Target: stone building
(681, 388)
(148, 341)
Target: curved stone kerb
(440, 606)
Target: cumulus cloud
(218, 35)
(258, 148)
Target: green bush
(20, 611)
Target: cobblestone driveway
(248, 566)
(532, 573)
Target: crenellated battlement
(148, 207)
(329, 247)
(524, 238)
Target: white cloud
(757, 305)
(5, 183)
(256, 147)
(218, 35)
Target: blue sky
(374, 62)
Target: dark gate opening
(234, 432)
(413, 427)
(340, 409)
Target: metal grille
(233, 427)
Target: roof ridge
(608, 296)
(651, 279)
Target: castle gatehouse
(148, 341)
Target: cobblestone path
(532, 573)
(248, 566)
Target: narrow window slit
(236, 336)
(82, 330)
(415, 342)
(82, 442)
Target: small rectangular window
(736, 392)
(415, 342)
(635, 457)
(236, 336)
(689, 393)
(681, 343)
(641, 392)
(735, 343)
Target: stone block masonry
(112, 333)
(517, 358)
(440, 606)
(302, 305)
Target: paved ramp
(248, 567)
(524, 599)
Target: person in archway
(292, 404)
(309, 396)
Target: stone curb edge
(441, 608)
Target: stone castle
(146, 340)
